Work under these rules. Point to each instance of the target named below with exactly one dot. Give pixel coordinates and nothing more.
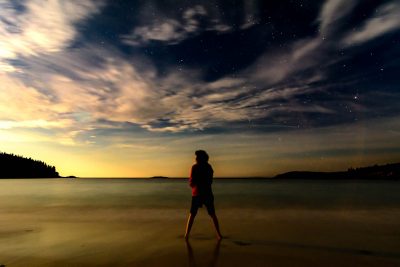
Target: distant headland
(14, 166)
(376, 172)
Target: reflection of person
(192, 260)
(201, 176)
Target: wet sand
(93, 236)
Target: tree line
(15, 166)
(388, 171)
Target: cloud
(333, 11)
(175, 30)
(25, 107)
(302, 69)
(251, 14)
(80, 89)
(303, 61)
(309, 60)
(83, 87)
(19, 102)
(281, 65)
(69, 89)
(169, 30)
(386, 19)
(191, 17)
(40, 27)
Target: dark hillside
(376, 172)
(13, 166)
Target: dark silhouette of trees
(14, 166)
(388, 171)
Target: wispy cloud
(115, 90)
(308, 57)
(39, 28)
(386, 19)
(173, 31)
(332, 13)
(32, 29)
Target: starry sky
(133, 88)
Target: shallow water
(126, 222)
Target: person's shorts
(199, 201)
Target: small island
(14, 166)
(159, 177)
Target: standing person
(200, 180)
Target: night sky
(132, 88)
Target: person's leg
(216, 225)
(193, 211)
(189, 224)
(211, 211)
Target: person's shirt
(200, 180)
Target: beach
(105, 222)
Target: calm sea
(175, 193)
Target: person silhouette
(200, 180)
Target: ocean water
(138, 222)
(175, 193)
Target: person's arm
(211, 174)
(191, 182)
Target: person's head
(201, 156)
